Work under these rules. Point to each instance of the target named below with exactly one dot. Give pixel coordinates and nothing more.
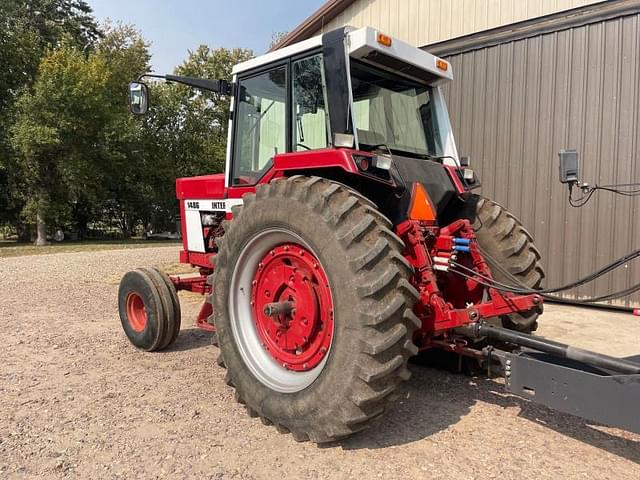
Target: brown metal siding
(515, 105)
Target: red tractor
(343, 239)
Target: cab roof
(371, 46)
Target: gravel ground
(77, 400)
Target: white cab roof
(362, 43)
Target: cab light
(421, 207)
(384, 40)
(364, 163)
(382, 162)
(442, 65)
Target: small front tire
(149, 309)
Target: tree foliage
(276, 38)
(28, 29)
(71, 154)
(185, 132)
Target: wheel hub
(293, 307)
(136, 313)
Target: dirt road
(77, 400)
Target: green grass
(14, 249)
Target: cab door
(260, 127)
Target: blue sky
(175, 26)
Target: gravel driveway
(77, 400)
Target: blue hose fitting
(461, 241)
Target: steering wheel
(303, 146)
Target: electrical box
(568, 166)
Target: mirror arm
(218, 86)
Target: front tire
(325, 249)
(149, 309)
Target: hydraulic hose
(524, 290)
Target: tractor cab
(357, 89)
(353, 105)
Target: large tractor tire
(325, 369)
(509, 250)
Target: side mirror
(138, 98)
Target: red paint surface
(447, 300)
(136, 312)
(300, 340)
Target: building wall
(421, 22)
(515, 105)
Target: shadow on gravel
(434, 399)
(190, 339)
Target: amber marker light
(384, 40)
(442, 65)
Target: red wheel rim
(136, 313)
(298, 340)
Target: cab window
(309, 130)
(260, 130)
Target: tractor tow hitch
(557, 349)
(596, 387)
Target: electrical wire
(588, 300)
(512, 277)
(524, 290)
(587, 279)
(497, 286)
(624, 189)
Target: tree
(56, 125)
(76, 154)
(276, 38)
(126, 54)
(184, 134)
(28, 29)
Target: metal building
(530, 78)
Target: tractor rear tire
(505, 242)
(353, 267)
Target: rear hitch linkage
(587, 384)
